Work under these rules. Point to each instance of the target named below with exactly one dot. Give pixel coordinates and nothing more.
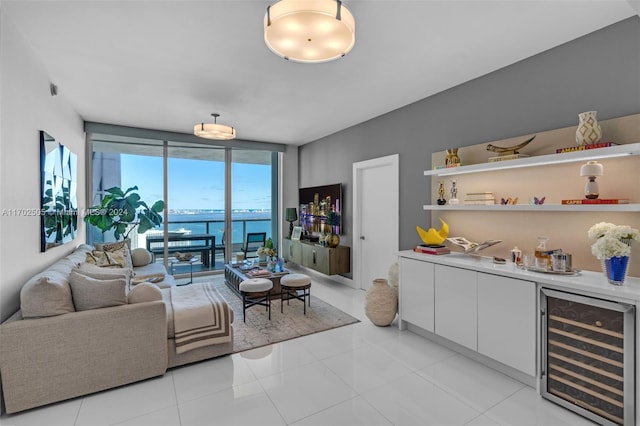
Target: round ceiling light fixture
(214, 130)
(309, 30)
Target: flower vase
(616, 269)
(589, 131)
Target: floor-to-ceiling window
(191, 178)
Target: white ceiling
(167, 65)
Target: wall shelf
(539, 208)
(541, 160)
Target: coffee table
(233, 276)
(175, 261)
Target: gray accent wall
(600, 71)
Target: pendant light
(214, 130)
(309, 30)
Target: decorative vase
(589, 131)
(616, 269)
(262, 257)
(332, 240)
(381, 303)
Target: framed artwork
(297, 232)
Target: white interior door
(376, 218)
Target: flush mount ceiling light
(309, 30)
(214, 130)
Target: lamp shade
(291, 214)
(309, 30)
(592, 168)
(214, 130)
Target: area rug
(259, 331)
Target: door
(376, 218)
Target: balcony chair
(254, 241)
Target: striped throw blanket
(201, 316)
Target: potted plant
(123, 212)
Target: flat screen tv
(316, 203)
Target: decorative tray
(546, 271)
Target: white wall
(26, 107)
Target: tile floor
(355, 375)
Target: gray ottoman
(292, 285)
(256, 291)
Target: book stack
(597, 201)
(431, 249)
(255, 273)
(480, 198)
(447, 166)
(507, 157)
(585, 147)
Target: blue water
(213, 223)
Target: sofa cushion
(152, 270)
(91, 293)
(144, 292)
(141, 257)
(98, 272)
(107, 259)
(46, 295)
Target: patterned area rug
(259, 331)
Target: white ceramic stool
(293, 283)
(256, 291)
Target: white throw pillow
(144, 292)
(91, 293)
(141, 257)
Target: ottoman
(256, 291)
(291, 285)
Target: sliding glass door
(200, 204)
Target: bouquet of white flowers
(612, 240)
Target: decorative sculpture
(509, 150)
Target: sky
(197, 184)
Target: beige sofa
(49, 359)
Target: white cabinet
(456, 310)
(507, 321)
(417, 293)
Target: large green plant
(121, 210)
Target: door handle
(362, 237)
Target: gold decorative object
(509, 150)
(452, 157)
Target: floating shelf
(540, 208)
(541, 160)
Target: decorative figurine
(441, 201)
(452, 157)
(508, 150)
(454, 193)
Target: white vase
(589, 131)
(381, 304)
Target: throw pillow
(141, 257)
(118, 245)
(46, 296)
(144, 292)
(107, 259)
(96, 271)
(91, 293)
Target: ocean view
(212, 222)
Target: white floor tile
(126, 402)
(305, 390)
(59, 414)
(412, 400)
(272, 359)
(482, 420)
(366, 367)
(414, 351)
(166, 417)
(244, 405)
(477, 385)
(353, 412)
(210, 376)
(526, 408)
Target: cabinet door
(416, 293)
(456, 308)
(292, 251)
(316, 257)
(507, 321)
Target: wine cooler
(588, 356)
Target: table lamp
(591, 170)
(291, 215)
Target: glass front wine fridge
(588, 355)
